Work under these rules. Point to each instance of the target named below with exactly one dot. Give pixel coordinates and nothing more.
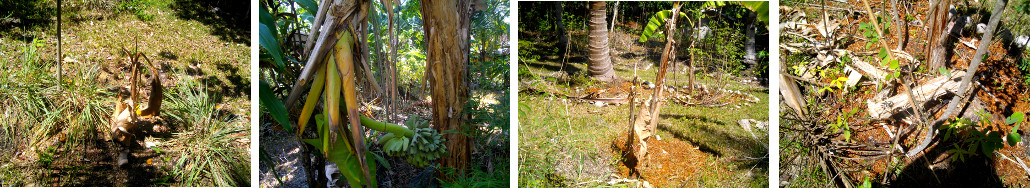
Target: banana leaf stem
(387, 127)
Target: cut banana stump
(129, 125)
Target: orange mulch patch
(670, 162)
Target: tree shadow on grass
(226, 82)
(229, 19)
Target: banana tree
(760, 10)
(759, 13)
(330, 73)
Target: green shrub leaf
(945, 71)
(1015, 118)
(274, 106)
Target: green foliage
(31, 12)
(212, 157)
(36, 109)
(46, 157)
(580, 78)
(870, 33)
(1023, 7)
(839, 83)
(269, 39)
(655, 22)
(842, 124)
(476, 177)
(339, 152)
(761, 8)
(274, 106)
(976, 142)
(1024, 66)
(1013, 137)
(136, 7)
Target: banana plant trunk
(446, 26)
(600, 62)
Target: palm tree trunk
(599, 63)
(446, 27)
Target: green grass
(212, 156)
(546, 132)
(550, 135)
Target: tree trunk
(669, 53)
(615, 13)
(446, 27)
(937, 21)
(60, 54)
(559, 25)
(599, 63)
(749, 48)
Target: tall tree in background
(446, 26)
(559, 25)
(600, 62)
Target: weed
(476, 177)
(46, 157)
(974, 141)
(1024, 66)
(580, 78)
(842, 124)
(209, 155)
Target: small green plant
(866, 183)
(869, 31)
(892, 64)
(842, 124)
(46, 157)
(580, 78)
(839, 83)
(1024, 66)
(974, 141)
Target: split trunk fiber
(446, 26)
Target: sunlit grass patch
(208, 140)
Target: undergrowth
(37, 109)
(209, 157)
(136, 7)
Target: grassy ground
(565, 143)
(55, 136)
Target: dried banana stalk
(345, 64)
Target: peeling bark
(446, 26)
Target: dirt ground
(998, 89)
